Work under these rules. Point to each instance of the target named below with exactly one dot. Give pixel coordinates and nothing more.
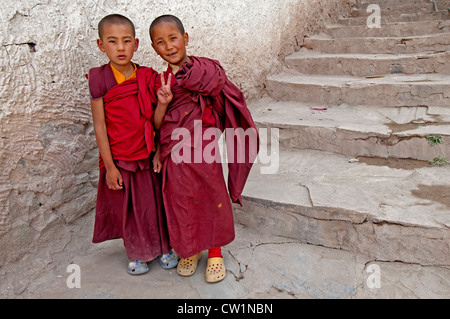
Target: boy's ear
(186, 39)
(100, 45)
(136, 44)
(154, 48)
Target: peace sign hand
(164, 93)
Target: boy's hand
(157, 165)
(114, 180)
(164, 93)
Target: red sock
(215, 253)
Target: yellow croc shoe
(215, 270)
(187, 266)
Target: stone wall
(47, 145)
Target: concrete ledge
(362, 65)
(381, 45)
(387, 90)
(387, 214)
(396, 133)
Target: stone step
(401, 4)
(402, 17)
(395, 11)
(254, 271)
(358, 131)
(396, 90)
(380, 45)
(396, 29)
(394, 3)
(362, 65)
(322, 199)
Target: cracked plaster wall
(47, 145)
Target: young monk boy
(198, 208)
(129, 200)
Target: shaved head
(168, 19)
(114, 19)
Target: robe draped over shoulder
(196, 199)
(222, 105)
(128, 111)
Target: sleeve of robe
(207, 78)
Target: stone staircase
(352, 111)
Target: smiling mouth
(172, 54)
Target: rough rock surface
(258, 267)
(358, 139)
(47, 146)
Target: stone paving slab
(385, 45)
(389, 90)
(402, 16)
(259, 266)
(333, 180)
(328, 200)
(393, 29)
(367, 131)
(362, 65)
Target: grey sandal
(169, 261)
(137, 267)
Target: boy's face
(119, 44)
(169, 43)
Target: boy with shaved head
(129, 199)
(198, 207)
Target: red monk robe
(198, 208)
(135, 213)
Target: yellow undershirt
(120, 78)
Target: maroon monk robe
(135, 213)
(198, 208)
(128, 111)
